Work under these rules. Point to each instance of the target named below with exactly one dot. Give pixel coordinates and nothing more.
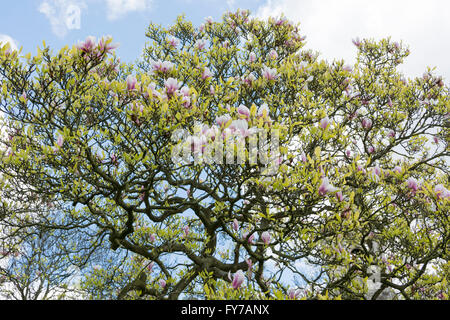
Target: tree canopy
(227, 162)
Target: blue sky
(328, 24)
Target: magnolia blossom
(235, 225)
(173, 42)
(171, 85)
(250, 238)
(152, 237)
(209, 20)
(200, 44)
(250, 265)
(293, 293)
(162, 283)
(356, 42)
(252, 57)
(412, 184)
(326, 187)
(339, 196)
(366, 123)
(60, 140)
(88, 45)
(239, 125)
(105, 44)
(273, 54)
(223, 120)
(186, 231)
(243, 111)
(212, 90)
(212, 132)
(347, 68)
(265, 237)
(131, 83)
(206, 73)
(397, 169)
(324, 123)
(371, 149)
(391, 134)
(303, 157)
(441, 191)
(270, 73)
(185, 91)
(238, 279)
(162, 66)
(249, 79)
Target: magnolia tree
(229, 163)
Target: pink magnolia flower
(162, 283)
(185, 91)
(303, 157)
(339, 196)
(435, 139)
(356, 42)
(60, 140)
(391, 134)
(238, 279)
(270, 73)
(412, 184)
(200, 44)
(397, 169)
(105, 44)
(212, 90)
(441, 191)
(186, 231)
(249, 79)
(348, 153)
(152, 237)
(171, 86)
(173, 42)
(88, 45)
(235, 225)
(265, 237)
(162, 66)
(206, 73)
(241, 126)
(131, 83)
(324, 123)
(273, 54)
(212, 132)
(223, 120)
(250, 265)
(209, 20)
(243, 111)
(293, 293)
(377, 170)
(371, 149)
(366, 123)
(347, 68)
(250, 238)
(252, 57)
(150, 266)
(326, 187)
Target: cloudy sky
(328, 24)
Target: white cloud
(63, 15)
(331, 25)
(118, 8)
(4, 38)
